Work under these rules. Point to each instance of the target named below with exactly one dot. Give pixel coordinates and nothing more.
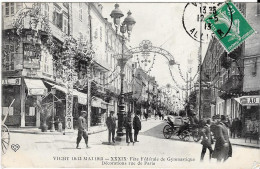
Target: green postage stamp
(229, 26)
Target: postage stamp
(230, 36)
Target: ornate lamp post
(125, 27)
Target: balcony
(232, 85)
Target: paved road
(152, 151)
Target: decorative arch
(146, 47)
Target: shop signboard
(249, 100)
(31, 55)
(11, 81)
(37, 92)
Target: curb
(53, 133)
(249, 146)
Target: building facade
(31, 63)
(233, 78)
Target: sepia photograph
(130, 84)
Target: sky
(161, 23)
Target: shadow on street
(157, 132)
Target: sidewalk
(241, 142)
(35, 130)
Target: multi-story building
(250, 99)
(30, 63)
(235, 74)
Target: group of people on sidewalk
(129, 123)
(223, 148)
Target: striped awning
(35, 87)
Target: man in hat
(223, 148)
(82, 129)
(128, 127)
(136, 125)
(111, 125)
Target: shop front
(11, 89)
(99, 111)
(251, 113)
(79, 103)
(25, 91)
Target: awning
(96, 102)
(100, 103)
(35, 87)
(106, 105)
(249, 100)
(82, 97)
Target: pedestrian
(206, 140)
(239, 127)
(155, 115)
(223, 148)
(111, 125)
(233, 129)
(146, 115)
(137, 125)
(82, 129)
(128, 128)
(160, 114)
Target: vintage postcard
(130, 85)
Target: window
(6, 110)
(65, 25)
(80, 11)
(9, 57)
(57, 18)
(9, 9)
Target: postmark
(193, 14)
(230, 36)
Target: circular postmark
(193, 20)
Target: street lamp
(53, 92)
(125, 27)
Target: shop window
(5, 111)
(8, 62)
(32, 111)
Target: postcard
(130, 85)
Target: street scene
(92, 84)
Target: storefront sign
(37, 92)
(31, 54)
(249, 100)
(11, 81)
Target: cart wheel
(196, 136)
(185, 135)
(167, 131)
(5, 137)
